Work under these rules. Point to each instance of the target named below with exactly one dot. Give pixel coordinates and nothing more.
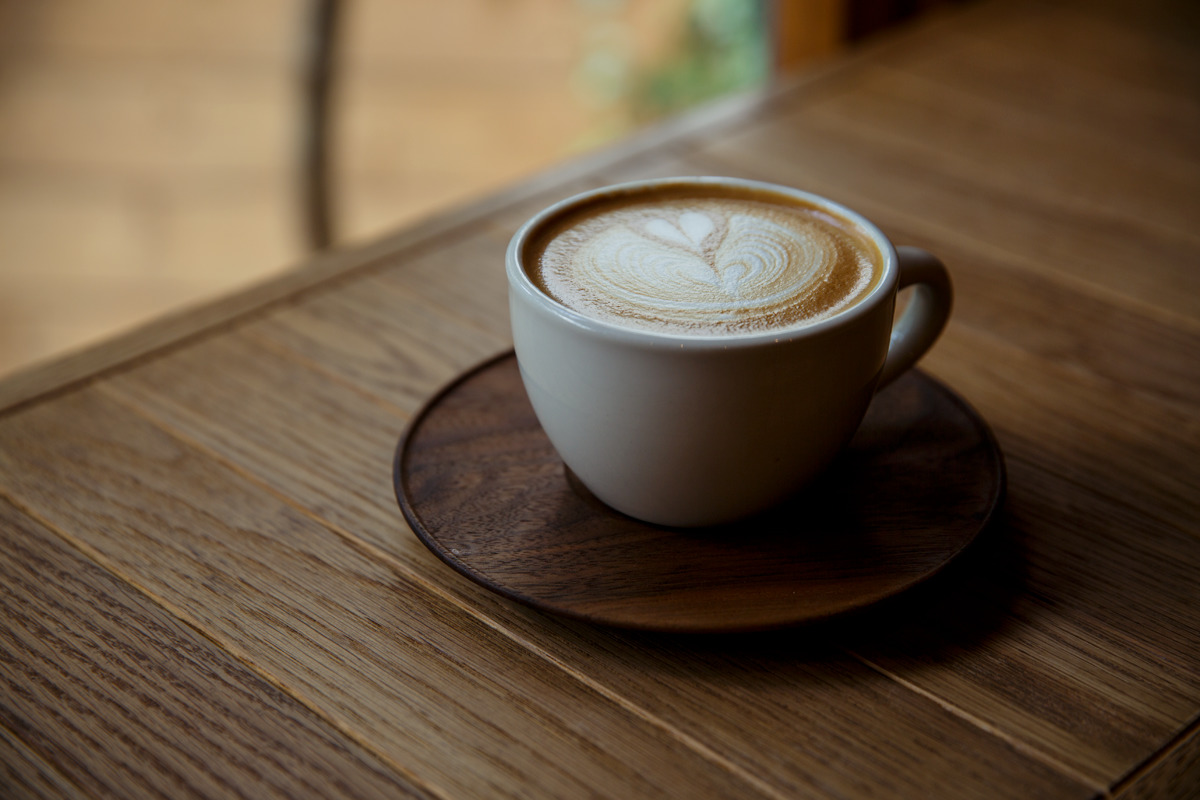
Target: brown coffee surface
(703, 261)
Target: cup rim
(519, 280)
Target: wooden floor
(147, 149)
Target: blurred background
(152, 151)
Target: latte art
(705, 264)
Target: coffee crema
(703, 261)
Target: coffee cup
(698, 349)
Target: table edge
(62, 372)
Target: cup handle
(924, 318)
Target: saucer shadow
(958, 609)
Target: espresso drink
(703, 260)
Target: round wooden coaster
(483, 488)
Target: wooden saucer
(483, 488)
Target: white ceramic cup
(689, 430)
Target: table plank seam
(417, 294)
(1092, 491)
(350, 539)
(1162, 754)
(289, 354)
(100, 560)
(101, 712)
(1077, 369)
(1072, 205)
(1015, 742)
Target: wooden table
(207, 586)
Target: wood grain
(1112, 85)
(183, 393)
(256, 430)
(1017, 150)
(360, 642)
(1173, 773)
(173, 388)
(466, 279)
(371, 649)
(372, 335)
(154, 707)
(27, 775)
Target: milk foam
(706, 265)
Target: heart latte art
(703, 265)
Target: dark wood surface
(208, 587)
(482, 486)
